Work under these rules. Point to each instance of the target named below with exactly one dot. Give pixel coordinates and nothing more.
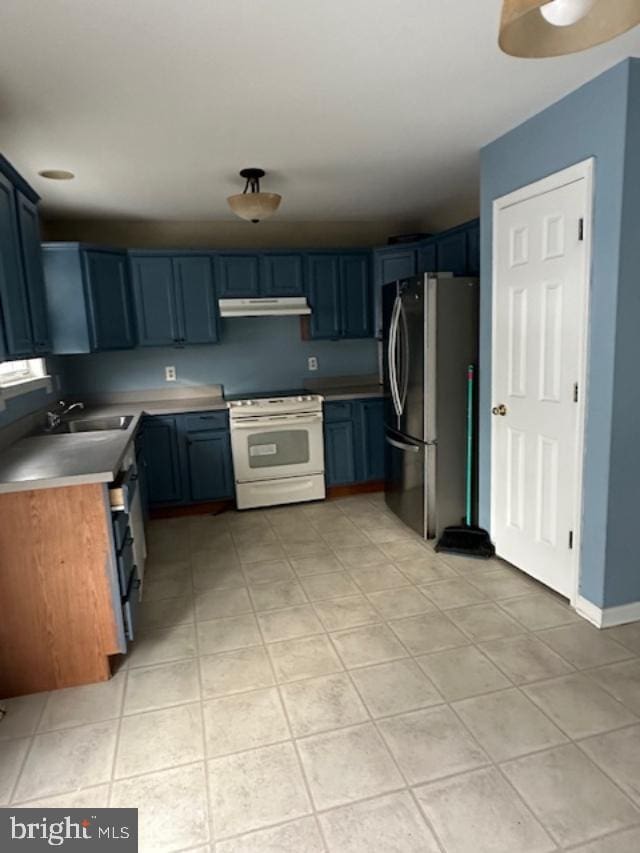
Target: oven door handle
(276, 420)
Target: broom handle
(470, 378)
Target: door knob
(499, 410)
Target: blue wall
(255, 353)
(20, 407)
(590, 122)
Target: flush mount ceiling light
(57, 174)
(252, 204)
(540, 28)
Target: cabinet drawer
(130, 606)
(121, 492)
(338, 411)
(120, 521)
(124, 558)
(205, 421)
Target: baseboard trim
(608, 617)
(355, 489)
(206, 508)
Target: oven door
(277, 446)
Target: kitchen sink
(120, 422)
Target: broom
(467, 539)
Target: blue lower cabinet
(209, 463)
(372, 439)
(164, 482)
(340, 453)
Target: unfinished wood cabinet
(61, 617)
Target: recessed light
(57, 174)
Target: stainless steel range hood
(282, 306)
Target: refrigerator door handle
(391, 355)
(409, 448)
(405, 359)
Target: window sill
(24, 386)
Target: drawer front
(121, 492)
(120, 522)
(338, 411)
(125, 561)
(130, 606)
(205, 421)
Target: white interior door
(539, 317)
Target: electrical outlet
(170, 374)
(312, 362)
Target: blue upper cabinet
(155, 301)
(473, 248)
(238, 275)
(29, 227)
(392, 264)
(339, 290)
(282, 274)
(108, 301)
(428, 258)
(452, 253)
(88, 298)
(323, 282)
(356, 301)
(175, 299)
(14, 301)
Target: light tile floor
(315, 678)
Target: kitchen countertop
(46, 461)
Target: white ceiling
(357, 109)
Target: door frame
(582, 171)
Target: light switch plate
(170, 374)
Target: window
(25, 370)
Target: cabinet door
(452, 253)
(107, 283)
(154, 292)
(14, 303)
(355, 286)
(209, 455)
(427, 258)
(282, 275)
(340, 453)
(196, 300)
(394, 265)
(33, 272)
(473, 249)
(238, 275)
(324, 295)
(164, 483)
(372, 439)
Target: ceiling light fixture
(252, 204)
(57, 174)
(539, 28)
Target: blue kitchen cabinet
(323, 277)
(340, 453)
(209, 463)
(372, 439)
(282, 274)
(473, 248)
(108, 301)
(238, 275)
(29, 227)
(88, 298)
(339, 291)
(356, 296)
(14, 301)
(452, 253)
(428, 258)
(175, 299)
(392, 264)
(164, 480)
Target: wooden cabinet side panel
(58, 626)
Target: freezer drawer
(406, 481)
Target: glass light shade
(254, 206)
(565, 13)
(526, 30)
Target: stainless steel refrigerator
(430, 336)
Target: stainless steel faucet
(54, 418)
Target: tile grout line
(27, 753)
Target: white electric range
(278, 449)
